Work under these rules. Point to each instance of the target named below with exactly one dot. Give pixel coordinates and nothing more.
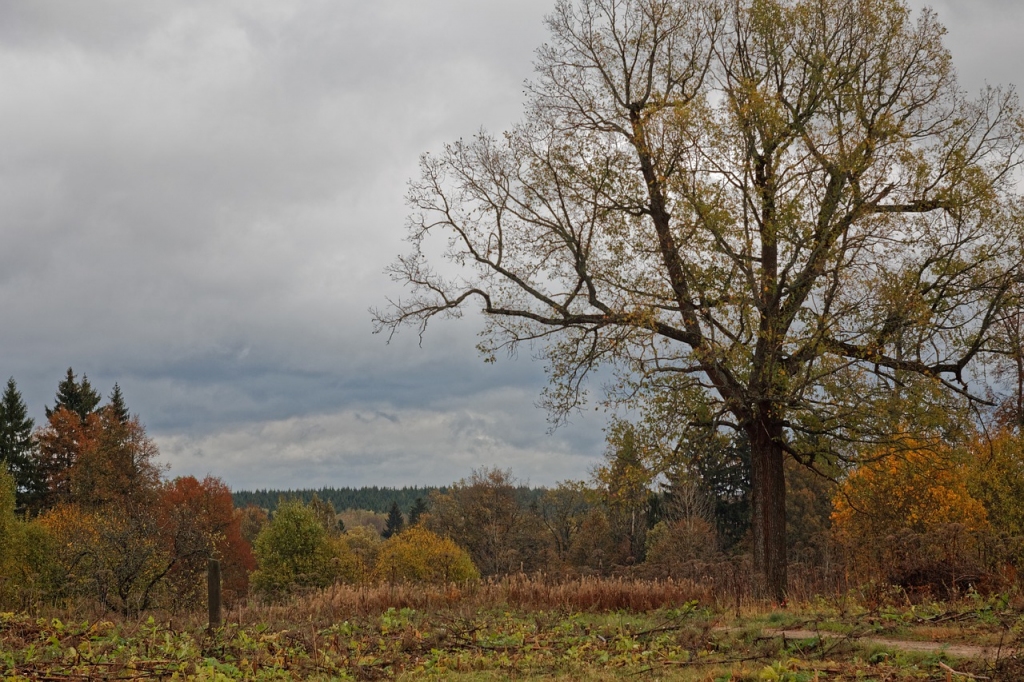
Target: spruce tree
(16, 442)
(67, 393)
(395, 522)
(79, 398)
(419, 508)
(117, 406)
(90, 398)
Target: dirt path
(959, 650)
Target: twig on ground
(950, 672)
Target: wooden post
(213, 592)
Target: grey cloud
(984, 39)
(422, 446)
(197, 200)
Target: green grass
(689, 643)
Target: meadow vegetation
(528, 628)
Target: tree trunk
(768, 510)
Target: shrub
(295, 550)
(909, 518)
(916, 490)
(364, 543)
(114, 556)
(25, 549)
(681, 548)
(419, 555)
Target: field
(594, 629)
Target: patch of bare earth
(952, 649)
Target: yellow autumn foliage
(908, 518)
(25, 551)
(997, 480)
(916, 489)
(419, 555)
(112, 555)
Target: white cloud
(381, 446)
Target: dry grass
(519, 592)
(726, 591)
(594, 594)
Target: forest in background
(369, 498)
(88, 514)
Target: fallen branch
(950, 672)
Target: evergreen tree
(16, 442)
(418, 509)
(79, 398)
(117, 406)
(725, 474)
(395, 522)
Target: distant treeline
(372, 498)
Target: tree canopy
(783, 217)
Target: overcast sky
(198, 199)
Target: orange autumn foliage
(909, 518)
(96, 461)
(117, 467)
(131, 556)
(915, 489)
(59, 446)
(198, 522)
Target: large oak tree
(786, 215)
